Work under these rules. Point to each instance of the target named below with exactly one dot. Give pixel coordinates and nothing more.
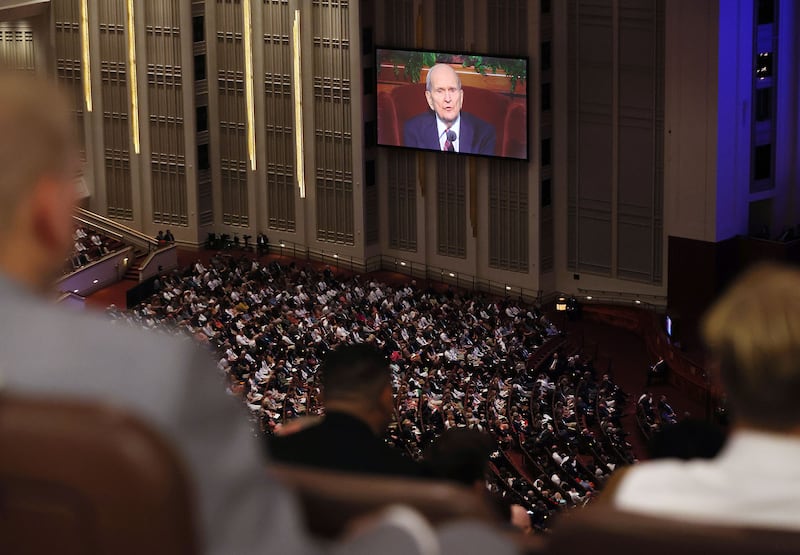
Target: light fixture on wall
(249, 97)
(133, 81)
(297, 85)
(86, 70)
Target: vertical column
(451, 175)
(278, 145)
(115, 102)
(333, 121)
(508, 247)
(397, 168)
(166, 114)
(639, 127)
(71, 55)
(231, 110)
(544, 114)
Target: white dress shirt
(754, 481)
(442, 127)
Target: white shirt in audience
(754, 481)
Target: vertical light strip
(248, 83)
(86, 70)
(297, 85)
(132, 78)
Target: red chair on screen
(508, 118)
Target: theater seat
(331, 500)
(80, 478)
(601, 530)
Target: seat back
(601, 530)
(331, 500)
(81, 478)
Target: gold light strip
(248, 84)
(86, 69)
(132, 78)
(297, 84)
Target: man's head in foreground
(357, 380)
(443, 93)
(38, 163)
(753, 332)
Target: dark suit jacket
(477, 136)
(345, 443)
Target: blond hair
(36, 138)
(753, 332)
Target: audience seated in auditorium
(577, 439)
(89, 246)
(165, 237)
(357, 387)
(753, 332)
(458, 360)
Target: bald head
(443, 93)
(441, 71)
(38, 162)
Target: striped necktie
(448, 145)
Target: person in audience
(665, 411)
(357, 388)
(169, 237)
(520, 518)
(462, 455)
(688, 439)
(168, 384)
(753, 332)
(657, 372)
(262, 244)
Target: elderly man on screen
(446, 127)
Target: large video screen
(457, 103)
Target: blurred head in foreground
(688, 439)
(356, 379)
(753, 332)
(461, 455)
(38, 164)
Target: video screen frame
(504, 76)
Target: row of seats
(66, 508)
(90, 245)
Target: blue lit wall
(734, 115)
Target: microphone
(451, 135)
